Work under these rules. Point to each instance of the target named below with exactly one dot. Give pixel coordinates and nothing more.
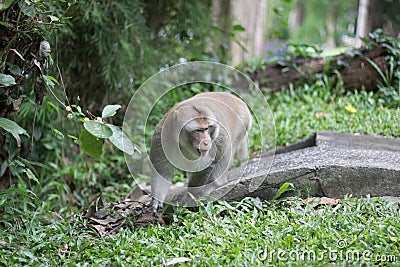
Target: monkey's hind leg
(242, 149)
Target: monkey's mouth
(202, 152)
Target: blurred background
(113, 46)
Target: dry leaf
(322, 201)
(328, 201)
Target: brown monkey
(199, 136)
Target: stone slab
(326, 164)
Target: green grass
(248, 233)
(300, 112)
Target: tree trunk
(356, 72)
(330, 27)
(374, 14)
(362, 22)
(296, 16)
(252, 18)
(259, 26)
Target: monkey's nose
(204, 146)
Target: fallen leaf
(136, 192)
(328, 201)
(323, 201)
(147, 219)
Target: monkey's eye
(200, 130)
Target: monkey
(200, 136)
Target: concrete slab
(326, 164)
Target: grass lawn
(286, 232)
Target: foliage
(13, 128)
(109, 47)
(23, 54)
(389, 69)
(390, 87)
(90, 140)
(284, 188)
(122, 33)
(92, 137)
(24, 59)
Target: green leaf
(51, 78)
(110, 110)
(57, 132)
(53, 18)
(27, 9)
(90, 145)
(6, 4)
(6, 80)
(284, 188)
(98, 129)
(3, 168)
(31, 175)
(238, 28)
(53, 107)
(8, 25)
(121, 141)
(73, 137)
(14, 69)
(378, 70)
(13, 128)
(48, 81)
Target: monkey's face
(197, 137)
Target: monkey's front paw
(157, 204)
